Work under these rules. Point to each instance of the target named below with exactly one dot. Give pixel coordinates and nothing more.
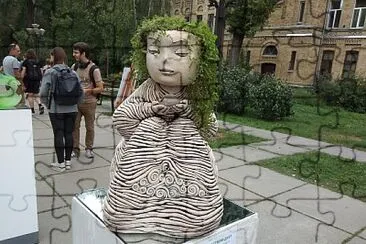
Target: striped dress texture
(164, 179)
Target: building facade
(302, 40)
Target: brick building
(302, 38)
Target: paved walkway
(290, 210)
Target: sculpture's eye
(153, 50)
(182, 52)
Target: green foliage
(334, 173)
(349, 93)
(233, 88)
(107, 26)
(270, 99)
(245, 17)
(202, 92)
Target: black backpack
(66, 88)
(33, 72)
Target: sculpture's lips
(167, 72)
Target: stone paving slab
(266, 134)
(42, 133)
(40, 125)
(225, 162)
(363, 234)
(44, 146)
(67, 184)
(55, 227)
(332, 208)
(345, 153)
(246, 153)
(279, 147)
(106, 153)
(278, 225)
(46, 198)
(260, 180)
(237, 194)
(43, 164)
(305, 142)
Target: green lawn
(227, 138)
(317, 122)
(324, 170)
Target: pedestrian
(92, 83)
(47, 65)
(11, 66)
(31, 74)
(62, 117)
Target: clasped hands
(169, 107)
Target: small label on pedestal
(226, 237)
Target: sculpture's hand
(159, 109)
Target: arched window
(270, 50)
(200, 9)
(177, 12)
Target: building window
(210, 21)
(301, 12)
(199, 18)
(335, 11)
(247, 58)
(359, 14)
(327, 62)
(291, 65)
(270, 51)
(350, 62)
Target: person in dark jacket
(32, 82)
(62, 116)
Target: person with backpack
(92, 83)
(61, 91)
(32, 75)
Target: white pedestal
(88, 226)
(18, 198)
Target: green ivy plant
(202, 92)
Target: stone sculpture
(163, 174)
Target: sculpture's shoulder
(147, 91)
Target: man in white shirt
(11, 65)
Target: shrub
(353, 94)
(328, 90)
(233, 89)
(349, 93)
(270, 99)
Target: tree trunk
(236, 45)
(30, 13)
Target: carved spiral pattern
(163, 176)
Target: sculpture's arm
(185, 111)
(129, 115)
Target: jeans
(63, 125)
(88, 111)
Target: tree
(244, 18)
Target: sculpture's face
(172, 57)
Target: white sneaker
(58, 167)
(74, 154)
(67, 164)
(89, 153)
